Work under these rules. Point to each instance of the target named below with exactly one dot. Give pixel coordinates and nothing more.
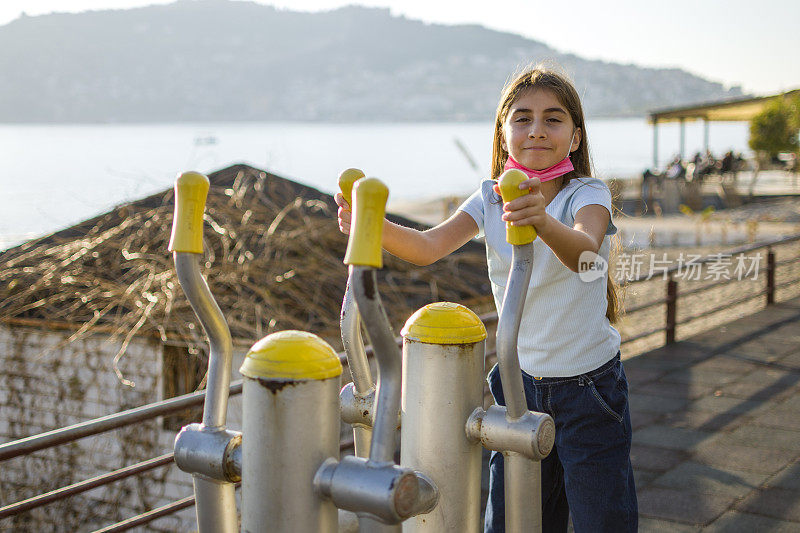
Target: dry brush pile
(273, 260)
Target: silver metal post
(442, 385)
(508, 329)
(216, 503)
(290, 428)
(357, 362)
(522, 484)
(215, 408)
(376, 489)
(524, 503)
(389, 359)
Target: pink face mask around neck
(559, 169)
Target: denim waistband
(597, 372)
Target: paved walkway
(716, 441)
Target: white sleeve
(473, 206)
(593, 192)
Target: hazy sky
(737, 42)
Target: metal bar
(508, 329)
(389, 358)
(792, 260)
(720, 308)
(59, 436)
(522, 477)
(105, 479)
(216, 502)
(215, 408)
(149, 516)
(672, 309)
(709, 286)
(83, 486)
(357, 362)
(353, 343)
(735, 251)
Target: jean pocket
(608, 394)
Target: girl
(566, 339)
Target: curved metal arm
(353, 343)
(357, 363)
(216, 502)
(508, 330)
(221, 347)
(389, 359)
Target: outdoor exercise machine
(287, 453)
(443, 424)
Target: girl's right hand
(343, 213)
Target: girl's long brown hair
(540, 77)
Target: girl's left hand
(528, 209)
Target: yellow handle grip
(366, 230)
(346, 180)
(191, 190)
(509, 190)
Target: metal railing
(670, 301)
(148, 412)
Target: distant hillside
(218, 60)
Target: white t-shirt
(564, 329)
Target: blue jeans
(589, 471)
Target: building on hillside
(93, 322)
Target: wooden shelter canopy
(739, 109)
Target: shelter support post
(655, 145)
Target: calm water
(52, 176)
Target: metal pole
(215, 407)
(683, 138)
(443, 370)
(389, 359)
(770, 276)
(352, 342)
(508, 328)
(655, 144)
(216, 503)
(290, 426)
(672, 309)
(357, 363)
(705, 134)
(522, 479)
(410, 494)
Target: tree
(775, 129)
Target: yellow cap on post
(191, 191)
(366, 229)
(294, 355)
(346, 180)
(444, 323)
(509, 189)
